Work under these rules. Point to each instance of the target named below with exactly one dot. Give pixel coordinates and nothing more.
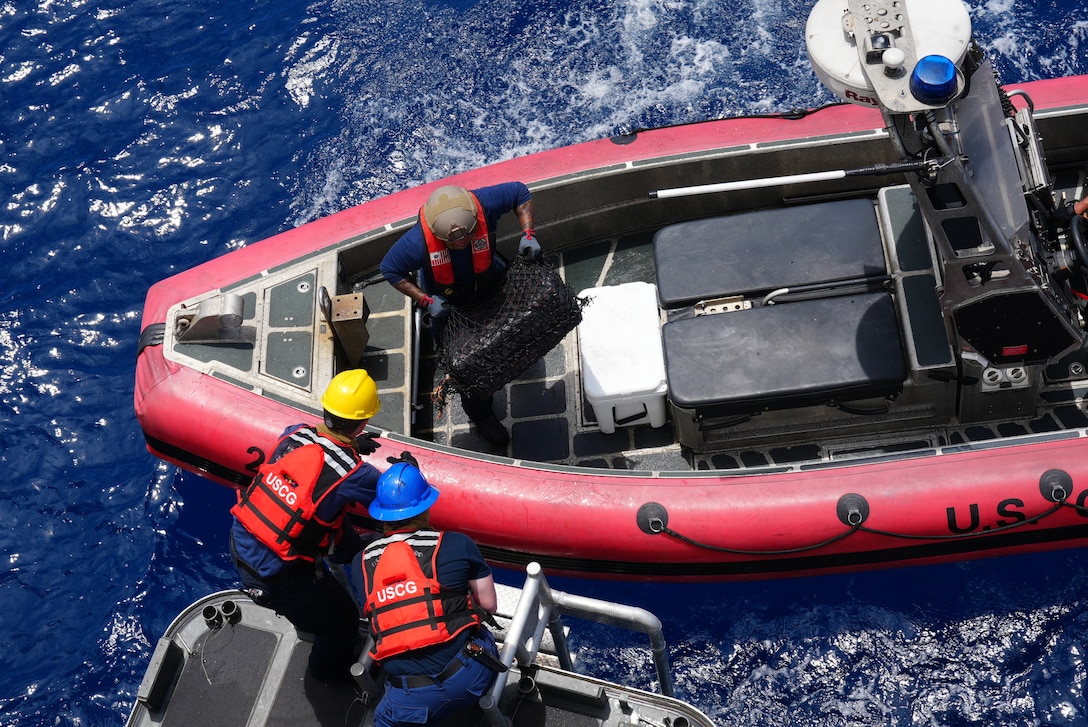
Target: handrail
(629, 617)
(540, 608)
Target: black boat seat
(802, 353)
(767, 249)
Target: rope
(669, 531)
(794, 114)
(972, 534)
(438, 397)
(659, 527)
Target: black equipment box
(794, 354)
(766, 250)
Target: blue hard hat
(403, 492)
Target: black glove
(404, 457)
(367, 443)
(1063, 214)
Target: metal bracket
(216, 320)
(731, 304)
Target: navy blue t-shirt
(409, 253)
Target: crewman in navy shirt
(453, 247)
(424, 591)
(292, 516)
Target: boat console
(950, 299)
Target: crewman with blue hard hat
(425, 593)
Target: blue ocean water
(141, 137)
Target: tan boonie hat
(449, 208)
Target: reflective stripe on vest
(280, 506)
(408, 608)
(438, 255)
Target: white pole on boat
(826, 176)
(748, 184)
(417, 331)
(413, 394)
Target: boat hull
(948, 502)
(225, 660)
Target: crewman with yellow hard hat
(291, 517)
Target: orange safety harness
(439, 255)
(408, 608)
(280, 506)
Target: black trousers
(478, 408)
(312, 600)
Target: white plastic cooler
(623, 363)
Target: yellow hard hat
(352, 395)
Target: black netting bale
(486, 345)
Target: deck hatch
(289, 355)
(737, 364)
(291, 304)
(767, 249)
(223, 683)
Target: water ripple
(140, 138)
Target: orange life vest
(439, 255)
(408, 607)
(280, 506)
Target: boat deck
(227, 661)
(550, 420)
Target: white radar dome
(936, 27)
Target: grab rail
(540, 608)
